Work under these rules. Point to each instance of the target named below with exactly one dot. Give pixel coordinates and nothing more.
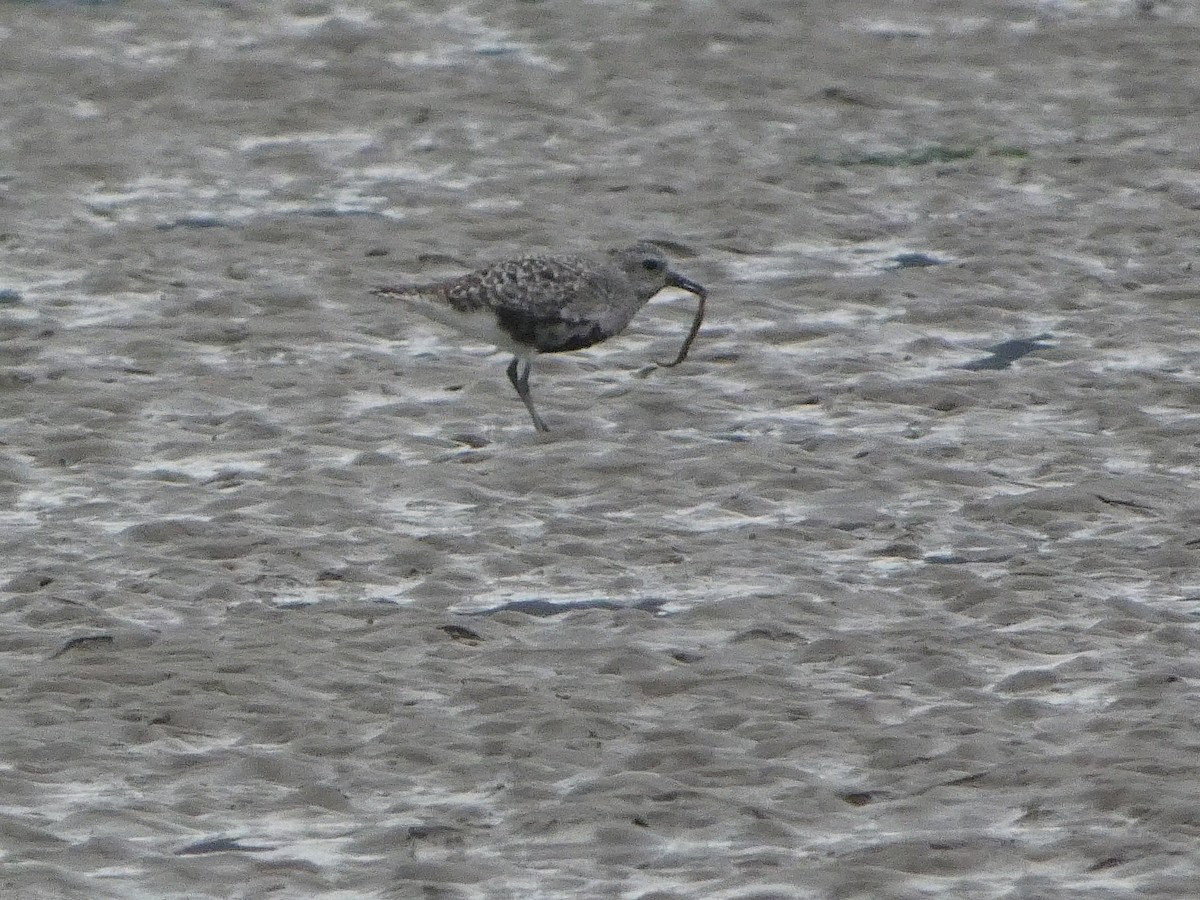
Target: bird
(536, 304)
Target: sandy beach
(891, 591)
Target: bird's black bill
(691, 287)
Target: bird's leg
(521, 383)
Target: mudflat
(890, 591)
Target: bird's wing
(533, 287)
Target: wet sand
(889, 591)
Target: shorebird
(551, 304)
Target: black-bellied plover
(551, 304)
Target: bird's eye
(650, 264)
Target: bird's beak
(674, 279)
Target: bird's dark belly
(550, 335)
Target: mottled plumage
(550, 304)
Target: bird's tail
(415, 293)
(427, 299)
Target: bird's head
(646, 267)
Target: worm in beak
(674, 279)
